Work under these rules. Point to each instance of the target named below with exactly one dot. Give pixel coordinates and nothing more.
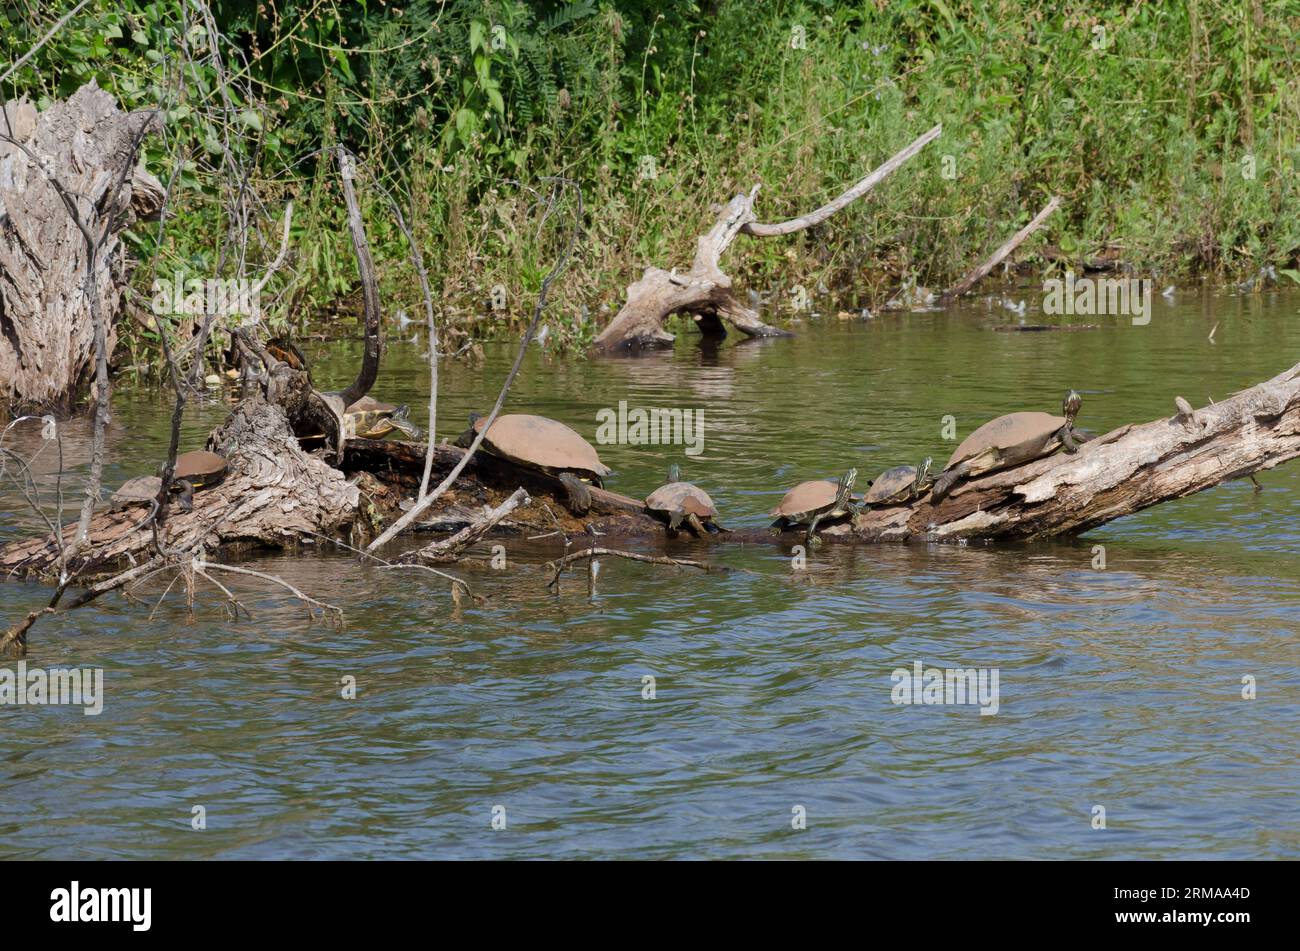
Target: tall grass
(1169, 129)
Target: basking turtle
(194, 470)
(683, 502)
(900, 484)
(543, 445)
(1011, 440)
(368, 418)
(138, 491)
(810, 502)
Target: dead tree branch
(1001, 254)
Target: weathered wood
(1122, 472)
(1001, 254)
(46, 328)
(705, 290)
(275, 495)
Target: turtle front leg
(696, 525)
(779, 526)
(1071, 438)
(674, 523)
(946, 480)
(811, 537)
(186, 495)
(579, 494)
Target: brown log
(46, 330)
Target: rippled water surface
(1119, 687)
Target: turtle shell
(807, 497)
(137, 491)
(684, 497)
(541, 443)
(891, 483)
(1006, 433)
(200, 467)
(368, 404)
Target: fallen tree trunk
(277, 496)
(1122, 472)
(274, 496)
(705, 290)
(47, 335)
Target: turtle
(683, 502)
(138, 491)
(810, 502)
(287, 352)
(368, 418)
(1011, 440)
(194, 470)
(543, 445)
(900, 484)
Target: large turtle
(543, 445)
(194, 470)
(1011, 440)
(683, 502)
(900, 484)
(810, 502)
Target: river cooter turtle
(543, 445)
(810, 502)
(900, 484)
(683, 502)
(1011, 440)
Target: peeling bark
(46, 330)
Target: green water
(1118, 688)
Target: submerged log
(46, 329)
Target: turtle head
(474, 418)
(674, 473)
(1070, 406)
(847, 480)
(923, 471)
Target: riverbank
(1170, 134)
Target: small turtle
(138, 491)
(900, 484)
(683, 502)
(545, 446)
(1011, 440)
(810, 502)
(286, 351)
(368, 418)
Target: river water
(1118, 687)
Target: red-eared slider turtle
(194, 470)
(1011, 440)
(543, 445)
(900, 484)
(810, 502)
(683, 502)
(368, 418)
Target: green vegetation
(1171, 131)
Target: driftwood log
(277, 495)
(705, 291)
(47, 346)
